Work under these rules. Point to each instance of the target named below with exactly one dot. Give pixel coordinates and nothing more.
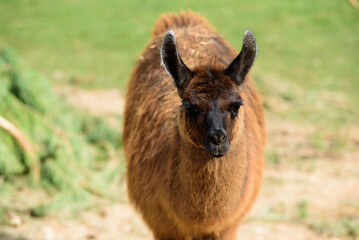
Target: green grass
(308, 51)
(348, 227)
(70, 160)
(96, 43)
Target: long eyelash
(240, 103)
(235, 107)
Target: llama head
(210, 94)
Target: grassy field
(95, 43)
(306, 70)
(312, 47)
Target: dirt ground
(306, 194)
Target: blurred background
(64, 67)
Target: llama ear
(240, 66)
(173, 63)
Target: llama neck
(211, 186)
(197, 163)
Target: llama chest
(207, 198)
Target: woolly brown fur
(181, 191)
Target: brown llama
(194, 131)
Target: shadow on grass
(5, 236)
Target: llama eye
(235, 107)
(191, 109)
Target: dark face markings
(211, 107)
(216, 140)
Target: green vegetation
(345, 227)
(307, 56)
(97, 42)
(69, 148)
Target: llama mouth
(218, 155)
(218, 150)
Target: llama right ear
(240, 66)
(173, 63)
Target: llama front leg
(229, 234)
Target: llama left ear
(240, 66)
(173, 63)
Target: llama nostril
(218, 138)
(212, 139)
(221, 138)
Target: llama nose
(218, 137)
